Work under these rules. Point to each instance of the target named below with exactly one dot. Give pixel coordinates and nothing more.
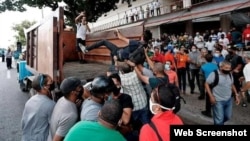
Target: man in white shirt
(224, 40)
(157, 6)
(199, 41)
(152, 9)
(82, 29)
(135, 13)
(246, 88)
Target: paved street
(12, 101)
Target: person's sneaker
(83, 48)
(207, 114)
(80, 61)
(244, 104)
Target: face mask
(51, 87)
(216, 54)
(193, 50)
(225, 71)
(167, 67)
(116, 91)
(79, 96)
(151, 104)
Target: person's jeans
(207, 104)
(194, 75)
(112, 47)
(141, 115)
(181, 72)
(222, 111)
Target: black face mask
(225, 71)
(51, 87)
(79, 96)
(116, 91)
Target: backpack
(176, 91)
(216, 79)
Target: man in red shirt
(158, 57)
(246, 35)
(161, 104)
(169, 56)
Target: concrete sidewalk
(191, 112)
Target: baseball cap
(70, 84)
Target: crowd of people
(142, 12)
(133, 101)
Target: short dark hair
(39, 81)
(116, 76)
(101, 85)
(209, 57)
(69, 84)
(125, 68)
(111, 111)
(165, 96)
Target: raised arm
(150, 62)
(79, 17)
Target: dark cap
(70, 84)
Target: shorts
(79, 40)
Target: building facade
(177, 16)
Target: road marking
(8, 74)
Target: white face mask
(167, 67)
(151, 104)
(193, 50)
(216, 54)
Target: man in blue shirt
(206, 69)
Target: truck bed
(86, 71)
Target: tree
(19, 28)
(94, 8)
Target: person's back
(93, 131)
(104, 129)
(90, 109)
(133, 86)
(65, 111)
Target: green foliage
(94, 8)
(19, 29)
